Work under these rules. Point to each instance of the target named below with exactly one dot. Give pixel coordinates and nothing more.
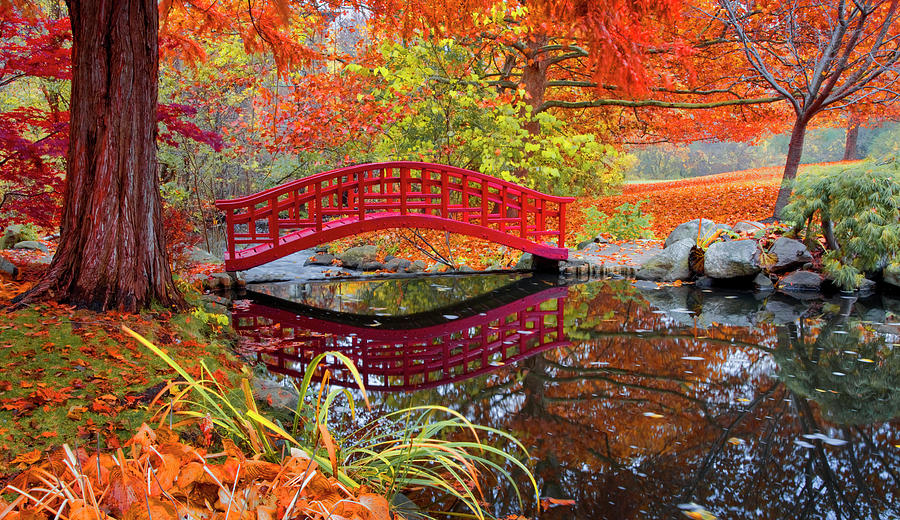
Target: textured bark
(850, 144)
(112, 249)
(795, 152)
(534, 79)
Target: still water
(632, 402)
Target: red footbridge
(408, 352)
(369, 197)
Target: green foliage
(626, 223)
(861, 203)
(444, 112)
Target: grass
(73, 377)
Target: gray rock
(735, 259)
(357, 256)
(782, 312)
(762, 283)
(9, 268)
(645, 285)
(218, 281)
(14, 233)
(750, 226)
(668, 265)
(323, 248)
(526, 261)
(704, 282)
(597, 240)
(397, 264)
(434, 268)
(277, 394)
(800, 281)
(688, 230)
(891, 274)
(371, 266)
(465, 269)
(789, 254)
(416, 267)
(32, 245)
(320, 259)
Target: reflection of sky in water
(672, 396)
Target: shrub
(626, 223)
(856, 209)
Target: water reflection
(751, 407)
(414, 351)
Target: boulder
(748, 226)
(371, 266)
(323, 248)
(416, 267)
(31, 245)
(789, 254)
(668, 265)
(762, 283)
(689, 230)
(891, 274)
(9, 268)
(397, 264)
(320, 259)
(526, 262)
(14, 233)
(800, 281)
(435, 268)
(354, 257)
(729, 260)
(597, 240)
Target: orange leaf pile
(165, 479)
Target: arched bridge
(369, 197)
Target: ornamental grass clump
(423, 447)
(856, 210)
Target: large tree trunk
(850, 144)
(795, 152)
(112, 249)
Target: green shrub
(626, 223)
(856, 209)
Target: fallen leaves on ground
(165, 479)
(725, 198)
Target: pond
(634, 402)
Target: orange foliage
(725, 198)
(162, 479)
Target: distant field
(726, 198)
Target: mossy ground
(73, 376)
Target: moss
(74, 377)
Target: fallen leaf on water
(743, 400)
(548, 502)
(735, 441)
(696, 511)
(653, 415)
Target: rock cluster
(741, 256)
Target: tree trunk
(850, 148)
(534, 79)
(112, 249)
(795, 152)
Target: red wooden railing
(407, 359)
(368, 197)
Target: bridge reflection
(409, 352)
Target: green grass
(55, 360)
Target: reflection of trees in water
(642, 413)
(726, 431)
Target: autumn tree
(819, 56)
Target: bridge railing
(362, 192)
